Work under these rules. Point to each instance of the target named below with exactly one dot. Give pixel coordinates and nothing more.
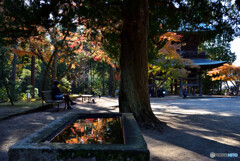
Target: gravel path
(195, 127)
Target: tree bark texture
(134, 96)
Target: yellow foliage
(169, 61)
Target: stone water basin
(77, 136)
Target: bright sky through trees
(235, 47)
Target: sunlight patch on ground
(177, 110)
(36, 123)
(50, 118)
(8, 142)
(220, 139)
(189, 110)
(224, 114)
(163, 107)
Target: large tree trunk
(134, 95)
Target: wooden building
(189, 50)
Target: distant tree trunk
(171, 86)
(213, 91)
(45, 75)
(220, 87)
(8, 92)
(14, 69)
(237, 86)
(227, 85)
(54, 66)
(91, 78)
(110, 81)
(12, 90)
(133, 96)
(103, 82)
(176, 86)
(115, 83)
(44, 79)
(65, 73)
(33, 75)
(86, 82)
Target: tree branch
(67, 71)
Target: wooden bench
(47, 98)
(84, 96)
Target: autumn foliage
(92, 131)
(168, 63)
(227, 72)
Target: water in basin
(92, 131)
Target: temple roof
(207, 63)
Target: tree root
(156, 125)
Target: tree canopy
(131, 28)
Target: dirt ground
(195, 127)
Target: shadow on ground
(173, 144)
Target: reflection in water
(92, 131)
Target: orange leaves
(72, 141)
(41, 29)
(99, 55)
(89, 130)
(226, 72)
(170, 36)
(22, 52)
(62, 60)
(169, 49)
(73, 66)
(169, 62)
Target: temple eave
(207, 64)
